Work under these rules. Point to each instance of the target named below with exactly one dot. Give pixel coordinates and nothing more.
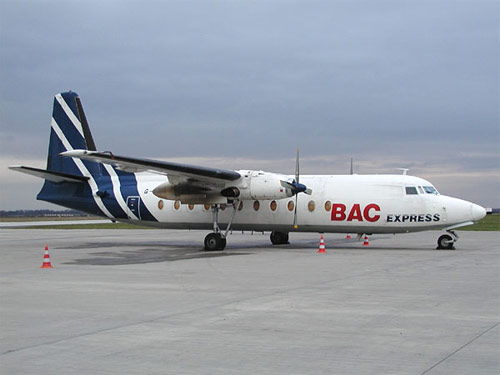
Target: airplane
(171, 195)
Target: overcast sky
(242, 84)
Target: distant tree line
(40, 213)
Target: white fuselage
(339, 203)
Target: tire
(222, 245)
(445, 242)
(214, 242)
(279, 238)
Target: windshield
(430, 190)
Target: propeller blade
(297, 174)
(296, 187)
(295, 226)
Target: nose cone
(477, 212)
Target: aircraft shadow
(144, 253)
(155, 252)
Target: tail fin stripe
(83, 169)
(67, 127)
(115, 181)
(61, 136)
(70, 114)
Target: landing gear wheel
(214, 242)
(279, 238)
(223, 243)
(445, 242)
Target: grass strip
(86, 226)
(46, 218)
(488, 223)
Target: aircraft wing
(177, 173)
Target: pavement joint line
(227, 303)
(460, 348)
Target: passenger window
(256, 205)
(290, 205)
(411, 190)
(208, 207)
(273, 205)
(177, 204)
(240, 206)
(191, 207)
(310, 206)
(160, 204)
(328, 206)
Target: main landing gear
(217, 239)
(447, 241)
(279, 238)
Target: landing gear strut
(447, 241)
(217, 240)
(279, 238)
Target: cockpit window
(420, 190)
(411, 190)
(430, 190)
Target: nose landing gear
(447, 241)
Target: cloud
(399, 83)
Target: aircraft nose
(477, 212)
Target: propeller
(296, 187)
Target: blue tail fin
(70, 182)
(69, 131)
(84, 185)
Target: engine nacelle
(186, 196)
(264, 186)
(256, 185)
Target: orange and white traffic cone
(348, 237)
(366, 243)
(321, 245)
(46, 259)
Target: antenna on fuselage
(405, 170)
(352, 168)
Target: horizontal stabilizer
(52, 176)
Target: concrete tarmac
(152, 302)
